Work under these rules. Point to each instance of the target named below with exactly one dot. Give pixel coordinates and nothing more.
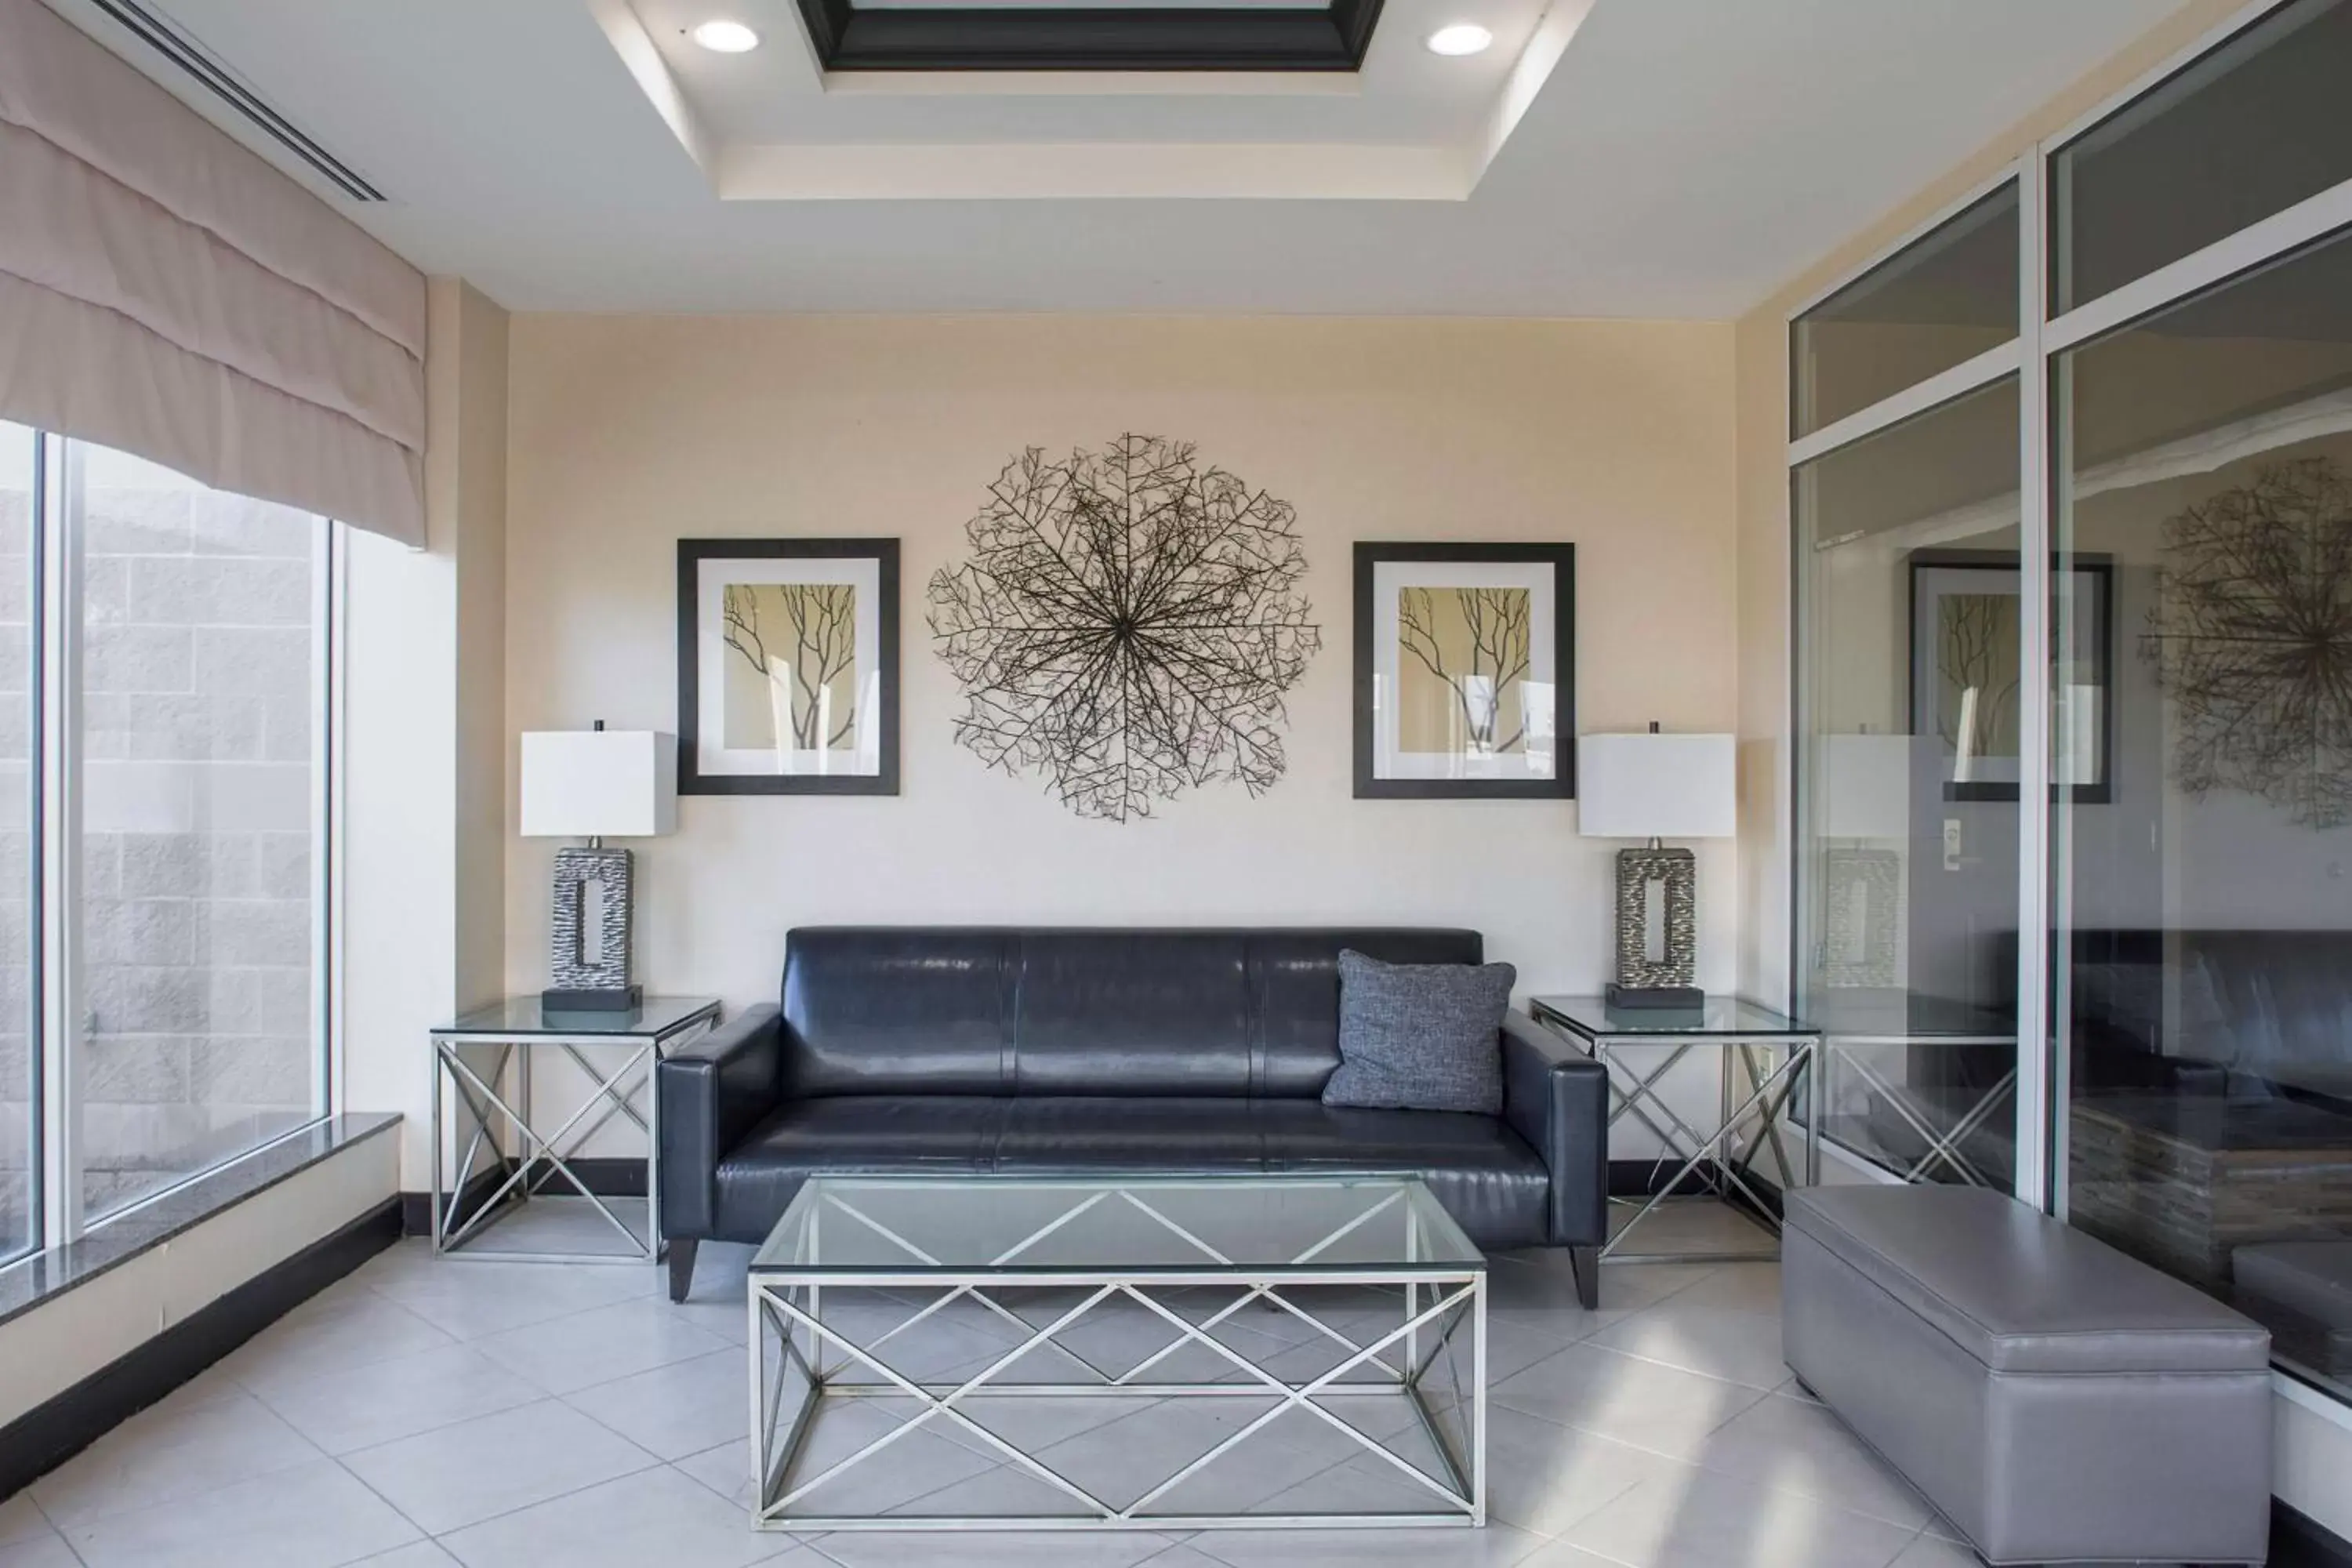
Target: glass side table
(1765, 1054)
(476, 1060)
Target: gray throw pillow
(1420, 1037)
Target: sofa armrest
(1557, 1098)
(713, 1091)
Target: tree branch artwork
(2250, 637)
(807, 631)
(1128, 623)
(1978, 637)
(1500, 643)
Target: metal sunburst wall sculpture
(2251, 637)
(1127, 625)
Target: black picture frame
(691, 555)
(2099, 571)
(1562, 559)
(1333, 36)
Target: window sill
(41, 1277)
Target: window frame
(57, 1201)
(2035, 355)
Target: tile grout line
(504, 1512)
(421, 1533)
(56, 1528)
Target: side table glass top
(1592, 1016)
(522, 1015)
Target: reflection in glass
(198, 1027)
(2205, 988)
(1945, 298)
(2246, 132)
(1908, 691)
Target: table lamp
(1656, 787)
(596, 785)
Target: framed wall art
(1965, 673)
(788, 666)
(1466, 671)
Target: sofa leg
(681, 1268)
(1586, 1261)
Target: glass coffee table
(1239, 1323)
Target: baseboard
(607, 1176)
(53, 1432)
(1650, 1178)
(2298, 1540)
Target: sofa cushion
(1237, 1011)
(1132, 1013)
(1480, 1171)
(849, 1134)
(2020, 1291)
(1421, 1037)
(1158, 1134)
(904, 1011)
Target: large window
(20, 1059)
(2087, 740)
(165, 656)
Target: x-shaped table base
(1636, 1094)
(804, 1362)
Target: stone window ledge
(42, 1277)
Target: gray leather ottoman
(2059, 1401)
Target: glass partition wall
(2165, 804)
(1908, 697)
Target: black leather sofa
(928, 1049)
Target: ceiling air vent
(151, 27)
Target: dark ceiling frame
(981, 38)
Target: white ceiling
(1683, 159)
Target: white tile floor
(426, 1412)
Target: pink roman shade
(165, 291)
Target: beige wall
(481, 551)
(425, 745)
(629, 433)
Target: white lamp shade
(1863, 782)
(1656, 786)
(599, 783)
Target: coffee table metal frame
(787, 1302)
(460, 1217)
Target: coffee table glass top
(1592, 1015)
(1151, 1225)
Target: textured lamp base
(588, 951)
(1665, 981)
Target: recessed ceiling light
(725, 38)
(1461, 38)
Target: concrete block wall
(198, 795)
(197, 1030)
